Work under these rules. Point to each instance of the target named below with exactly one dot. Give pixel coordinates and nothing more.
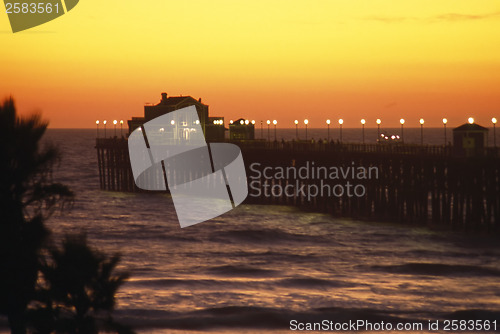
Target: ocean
(265, 268)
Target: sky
(261, 59)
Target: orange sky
(282, 60)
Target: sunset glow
(288, 59)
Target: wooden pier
(415, 184)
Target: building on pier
(242, 129)
(213, 127)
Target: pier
(416, 184)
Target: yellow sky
(261, 59)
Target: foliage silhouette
(77, 292)
(27, 197)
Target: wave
(300, 282)
(314, 283)
(270, 256)
(165, 283)
(264, 236)
(437, 269)
(250, 317)
(475, 314)
(241, 271)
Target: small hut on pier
(469, 140)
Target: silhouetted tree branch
(27, 196)
(77, 290)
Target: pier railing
(324, 146)
(332, 146)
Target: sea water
(257, 268)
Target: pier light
(115, 122)
(221, 121)
(328, 125)
(268, 130)
(378, 129)
(247, 122)
(296, 129)
(471, 120)
(162, 129)
(421, 131)
(306, 121)
(253, 121)
(121, 128)
(494, 121)
(197, 122)
(363, 121)
(341, 121)
(296, 122)
(242, 122)
(275, 122)
(172, 122)
(97, 126)
(402, 121)
(104, 122)
(97, 122)
(445, 120)
(215, 121)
